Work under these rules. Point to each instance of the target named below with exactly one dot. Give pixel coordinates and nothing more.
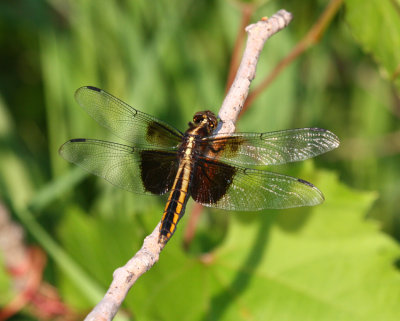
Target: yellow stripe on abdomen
(175, 207)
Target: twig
(190, 228)
(309, 39)
(236, 97)
(124, 277)
(258, 33)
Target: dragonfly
(216, 170)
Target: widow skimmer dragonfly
(211, 168)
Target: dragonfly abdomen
(175, 207)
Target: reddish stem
(311, 38)
(247, 12)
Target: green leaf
(376, 26)
(322, 263)
(100, 245)
(333, 266)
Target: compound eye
(197, 119)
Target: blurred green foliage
(170, 58)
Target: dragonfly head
(204, 120)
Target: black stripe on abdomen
(173, 212)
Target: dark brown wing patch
(244, 189)
(158, 170)
(211, 180)
(226, 146)
(133, 169)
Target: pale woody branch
(124, 277)
(258, 34)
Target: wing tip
(319, 198)
(74, 140)
(62, 149)
(333, 139)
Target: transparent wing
(243, 189)
(126, 122)
(133, 169)
(272, 148)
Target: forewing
(243, 189)
(272, 148)
(133, 169)
(126, 122)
